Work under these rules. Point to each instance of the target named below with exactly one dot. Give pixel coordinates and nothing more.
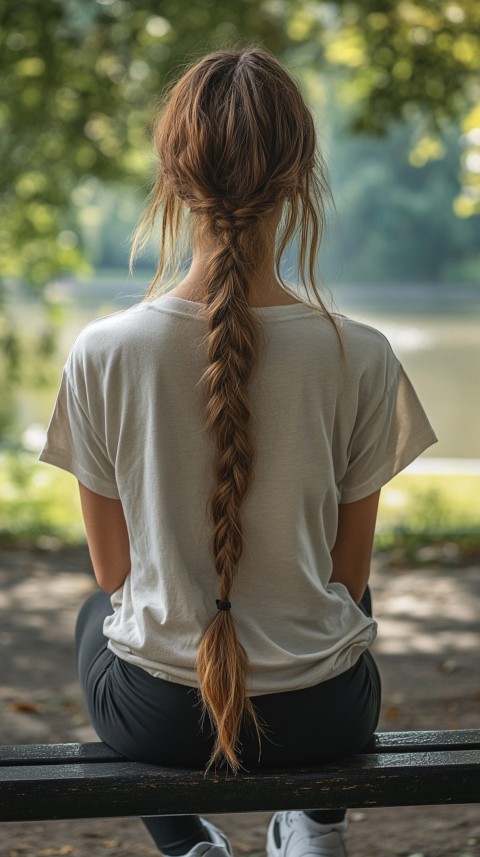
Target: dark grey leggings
(152, 720)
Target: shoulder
(368, 353)
(359, 335)
(107, 331)
(355, 335)
(105, 344)
(363, 339)
(112, 336)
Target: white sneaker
(294, 834)
(218, 846)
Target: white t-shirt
(128, 423)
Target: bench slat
(121, 788)
(459, 739)
(384, 742)
(56, 754)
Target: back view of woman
(230, 439)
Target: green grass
(39, 504)
(421, 518)
(434, 518)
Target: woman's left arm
(107, 537)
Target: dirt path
(427, 650)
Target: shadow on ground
(427, 651)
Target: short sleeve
(73, 444)
(385, 440)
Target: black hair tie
(223, 605)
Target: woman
(230, 439)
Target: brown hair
(236, 144)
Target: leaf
(392, 713)
(26, 707)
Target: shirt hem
(390, 469)
(315, 677)
(62, 460)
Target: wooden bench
(52, 781)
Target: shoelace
(292, 816)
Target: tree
(411, 59)
(77, 87)
(80, 80)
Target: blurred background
(395, 89)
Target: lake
(434, 331)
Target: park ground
(427, 651)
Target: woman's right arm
(352, 553)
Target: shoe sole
(209, 826)
(272, 850)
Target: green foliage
(430, 519)
(28, 338)
(433, 503)
(79, 86)
(400, 59)
(404, 54)
(398, 222)
(80, 81)
(37, 503)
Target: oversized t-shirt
(327, 428)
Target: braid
(232, 340)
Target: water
(434, 331)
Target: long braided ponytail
(232, 347)
(236, 145)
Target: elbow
(354, 584)
(107, 587)
(109, 581)
(356, 594)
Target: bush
(434, 518)
(39, 505)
